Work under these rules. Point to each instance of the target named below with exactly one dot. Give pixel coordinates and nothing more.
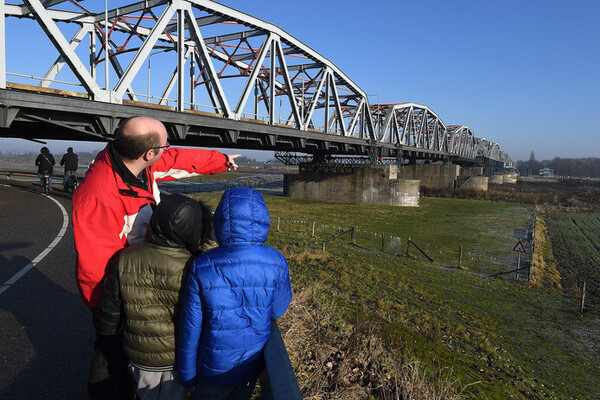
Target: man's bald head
(137, 135)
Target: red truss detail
(133, 29)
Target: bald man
(112, 207)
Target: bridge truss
(226, 79)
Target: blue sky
(522, 73)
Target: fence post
(313, 229)
(352, 235)
(460, 251)
(582, 298)
(407, 245)
(323, 246)
(278, 221)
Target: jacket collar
(120, 169)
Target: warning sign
(519, 247)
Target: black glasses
(166, 146)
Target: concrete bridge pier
(500, 179)
(497, 179)
(472, 178)
(378, 184)
(445, 176)
(432, 176)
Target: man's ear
(148, 155)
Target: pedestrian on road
(111, 210)
(231, 294)
(70, 160)
(45, 163)
(141, 296)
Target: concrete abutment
(372, 185)
(380, 184)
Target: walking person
(141, 296)
(111, 210)
(45, 163)
(231, 294)
(70, 160)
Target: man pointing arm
(113, 204)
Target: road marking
(44, 253)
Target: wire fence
(323, 236)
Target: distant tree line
(577, 167)
(249, 160)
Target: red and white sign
(519, 247)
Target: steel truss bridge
(225, 79)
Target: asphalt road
(46, 333)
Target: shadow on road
(12, 246)
(8, 266)
(46, 339)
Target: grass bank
(465, 335)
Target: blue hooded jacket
(231, 294)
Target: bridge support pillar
(445, 176)
(471, 171)
(476, 183)
(372, 185)
(497, 179)
(432, 176)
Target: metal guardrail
(8, 174)
(194, 187)
(182, 186)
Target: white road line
(44, 253)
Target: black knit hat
(179, 221)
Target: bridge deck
(66, 115)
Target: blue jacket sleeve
(283, 292)
(190, 328)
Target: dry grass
(334, 359)
(294, 255)
(544, 271)
(572, 195)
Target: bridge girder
(410, 124)
(462, 141)
(262, 57)
(324, 111)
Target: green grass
(576, 242)
(503, 339)
(438, 226)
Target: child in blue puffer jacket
(231, 294)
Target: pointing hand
(232, 158)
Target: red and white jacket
(111, 208)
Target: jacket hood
(241, 218)
(179, 221)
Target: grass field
(576, 243)
(439, 226)
(486, 338)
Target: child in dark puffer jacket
(231, 294)
(141, 297)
